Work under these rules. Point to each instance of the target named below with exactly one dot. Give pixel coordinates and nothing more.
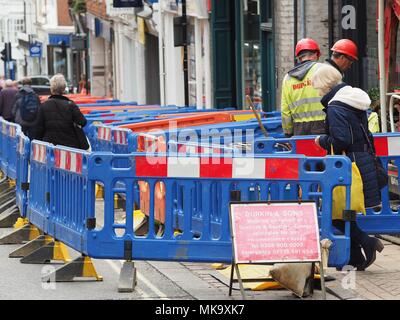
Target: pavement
(381, 281)
(187, 281)
(190, 281)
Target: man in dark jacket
(57, 116)
(27, 124)
(7, 98)
(347, 132)
(344, 54)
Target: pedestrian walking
(301, 104)
(7, 99)
(59, 119)
(26, 107)
(347, 133)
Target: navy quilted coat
(346, 112)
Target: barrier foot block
(127, 278)
(53, 251)
(30, 247)
(9, 217)
(12, 184)
(21, 222)
(22, 235)
(82, 268)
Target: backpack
(29, 106)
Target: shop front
(243, 53)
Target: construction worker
(344, 54)
(301, 104)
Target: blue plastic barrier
(8, 138)
(23, 156)
(12, 142)
(187, 191)
(4, 147)
(109, 139)
(384, 221)
(39, 192)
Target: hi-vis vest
(373, 123)
(300, 101)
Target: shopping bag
(357, 196)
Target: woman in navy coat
(347, 127)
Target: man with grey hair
(7, 98)
(25, 108)
(59, 116)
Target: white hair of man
(9, 83)
(325, 79)
(58, 84)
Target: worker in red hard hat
(344, 54)
(301, 104)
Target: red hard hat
(347, 47)
(307, 44)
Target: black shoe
(357, 259)
(370, 252)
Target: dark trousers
(358, 238)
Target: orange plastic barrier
(231, 112)
(184, 122)
(86, 110)
(80, 99)
(153, 143)
(159, 200)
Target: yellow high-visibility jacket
(302, 111)
(373, 123)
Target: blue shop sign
(35, 50)
(127, 3)
(56, 39)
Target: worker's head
(58, 84)
(344, 54)
(307, 50)
(325, 79)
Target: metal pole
(382, 66)
(295, 31)
(161, 43)
(25, 57)
(330, 23)
(185, 53)
(303, 30)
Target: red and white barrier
(104, 133)
(39, 153)
(121, 137)
(209, 168)
(68, 161)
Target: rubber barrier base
(127, 278)
(10, 215)
(81, 268)
(30, 247)
(22, 235)
(53, 251)
(21, 222)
